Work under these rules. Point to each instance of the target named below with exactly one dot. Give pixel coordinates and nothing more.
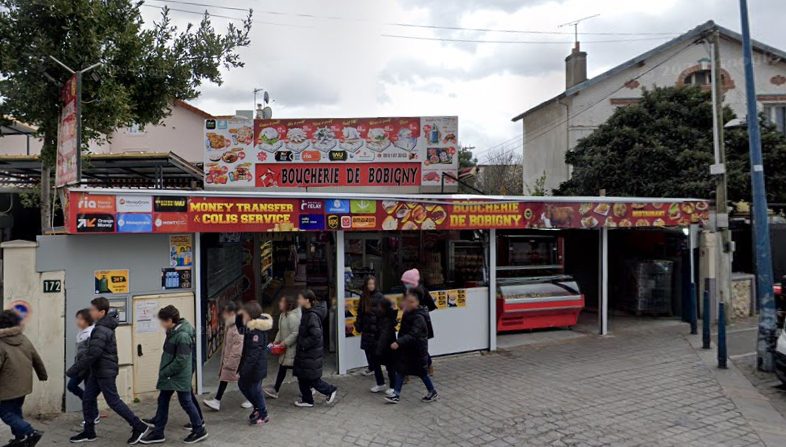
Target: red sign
(170, 223)
(67, 162)
(88, 203)
(208, 214)
(347, 174)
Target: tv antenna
(263, 111)
(575, 25)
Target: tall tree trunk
(46, 198)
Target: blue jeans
(106, 386)
(11, 415)
(74, 388)
(400, 383)
(186, 400)
(252, 391)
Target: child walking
(253, 325)
(230, 358)
(18, 359)
(309, 354)
(368, 325)
(100, 364)
(84, 322)
(387, 317)
(412, 346)
(174, 376)
(288, 326)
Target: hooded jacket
(101, 356)
(174, 373)
(231, 354)
(288, 327)
(253, 362)
(310, 350)
(18, 358)
(413, 343)
(367, 321)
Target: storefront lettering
(485, 220)
(490, 208)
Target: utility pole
(723, 274)
(765, 347)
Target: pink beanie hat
(411, 277)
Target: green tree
(662, 147)
(144, 68)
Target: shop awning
(172, 211)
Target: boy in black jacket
(412, 346)
(101, 363)
(310, 351)
(253, 325)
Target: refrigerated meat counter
(537, 302)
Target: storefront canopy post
(603, 283)
(199, 323)
(341, 335)
(491, 250)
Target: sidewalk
(645, 387)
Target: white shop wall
(144, 255)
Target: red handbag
(278, 350)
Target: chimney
(575, 67)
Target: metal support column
(199, 323)
(341, 336)
(492, 253)
(603, 282)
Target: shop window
(776, 113)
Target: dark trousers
(186, 399)
(11, 415)
(399, 384)
(320, 385)
(74, 388)
(252, 391)
(106, 386)
(282, 374)
(198, 408)
(375, 365)
(222, 387)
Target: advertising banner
(211, 214)
(362, 152)
(111, 281)
(67, 159)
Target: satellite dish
(266, 97)
(267, 113)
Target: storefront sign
(95, 223)
(134, 204)
(481, 216)
(330, 152)
(349, 174)
(111, 281)
(134, 223)
(67, 158)
(363, 206)
(235, 214)
(170, 222)
(181, 251)
(87, 203)
(312, 222)
(170, 204)
(337, 206)
(311, 206)
(176, 278)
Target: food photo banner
(94, 213)
(345, 152)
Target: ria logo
(87, 203)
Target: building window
(777, 116)
(699, 78)
(135, 129)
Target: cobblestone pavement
(767, 384)
(647, 388)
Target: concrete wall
(44, 325)
(544, 141)
(144, 255)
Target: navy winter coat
(253, 362)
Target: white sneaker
(378, 388)
(213, 404)
(332, 397)
(301, 404)
(270, 392)
(390, 392)
(368, 372)
(96, 422)
(246, 404)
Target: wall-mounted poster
(145, 317)
(384, 152)
(111, 281)
(181, 250)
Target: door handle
(139, 350)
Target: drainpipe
(568, 167)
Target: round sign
(21, 307)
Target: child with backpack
(18, 359)
(309, 355)
(253, 325)
(230, 357)
(411, 346)
(286, 339)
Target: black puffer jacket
(310, 350)
(413, 343)
(101, 356)
(253, 362)
(387, 318)
(367, 323)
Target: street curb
(755, 408)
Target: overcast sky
(337, 61)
